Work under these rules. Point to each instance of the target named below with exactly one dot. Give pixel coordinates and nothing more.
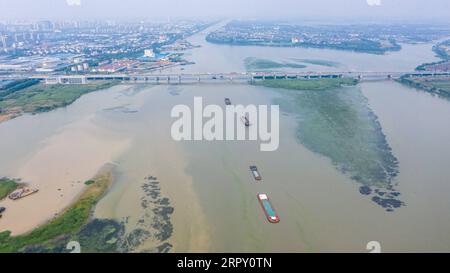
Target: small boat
(245, 121)
(22, 192)
(271, 215)
(255, 173)
(227, 101)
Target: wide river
(209, 183)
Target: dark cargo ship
(255, 173)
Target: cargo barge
(22, 192)
(271, 215)
(255, 173)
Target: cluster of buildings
(82, 47)
(115, 66)
(363, 37)
(39, 64)
(440, 66)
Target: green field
(7, 186)
(254, 64)
(68, 222)
(41, 97)
(335, 121)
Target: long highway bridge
(181, 78)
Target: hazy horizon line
(289, 19)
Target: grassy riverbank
(42, 98)
(7, 186)
(335, 121)
(69, 221)
(439, 85)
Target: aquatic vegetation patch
(109, 235)
(120, 109)
(89, 182)
(100, 235)
(174, 90)
(308, 84)
(254, 64)
(160, 206)
(317, 62)
(338, 124)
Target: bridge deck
(218, 77)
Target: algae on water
(338, 124)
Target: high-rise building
(45, 25)
(5, 46)
(149, 53)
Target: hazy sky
(309, 9)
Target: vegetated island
(361, 46)
(317, 62)
(372, 39)
(7, 186)
(334, 120)
(31, 96)
(256, 64)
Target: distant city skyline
(346, 10)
